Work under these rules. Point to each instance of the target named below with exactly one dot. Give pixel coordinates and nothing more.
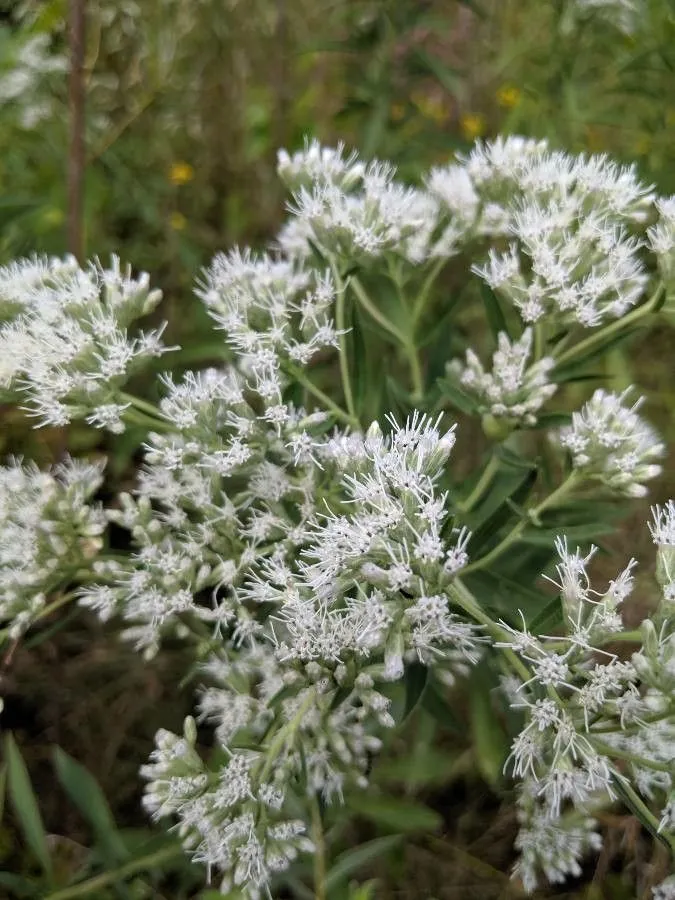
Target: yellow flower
(472, 125)
(508, 96)
(53, 216)
(431, 107)
(177, 221)
(181, 173)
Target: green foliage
(184, 116)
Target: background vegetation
(187, 102)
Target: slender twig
(486, 477)
(76, 103)
(517, 531)
(615, 327)
(319, 850)
(87, 888)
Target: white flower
(610, 442)
(65, 345)
(513, 390)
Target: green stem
(340, 324)
(513, 535)
(423, 295)
(52, 607)
(416, 375)
(136, 417)
(479, 489)
(285, 733)
(319, 851)
(614, 752)
(602, 335)
(337, 411)
(463, 597)
(143, 405)
(374, 312)
(539, 341)
(406, 341)
(644, 813)
(87, 888)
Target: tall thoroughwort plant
(299, 518)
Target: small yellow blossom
(181, 173)
(433, 108)
(472, 125)
(508, 96)
(177, 221)
(53, 216)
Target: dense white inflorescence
(49, 528)
(513, 390)
(65, 349)
(312, 561)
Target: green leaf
(83, 790)
(571, 372)
(449, 78)
(545, 537)
(415, 678)
(352, 860)
(395, 813)
(493, 311)
(459, 398)
(18, 885)
(3, 787)
(434, 703)
(489, 741)
(25, 805)
(424, 766)
(549, 617)
(512, 459)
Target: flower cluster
(48, 530)
(512, 390)
(610, 442)
(64, 343)
(586, 710)
(353, 210)
(275, 313)
(310, 560)
(661, 237)
(571, 256)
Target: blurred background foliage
(187, 102)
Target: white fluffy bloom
(48, 529)
(64, 344)
(316, 164)
(611, 442)
(661, 238)
(380, 215)
(512, 390)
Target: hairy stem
(613, 328)
(486, 477)
(517, 531)
(340, 324)
(406, 341)
(319, 850)
(337, 411)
